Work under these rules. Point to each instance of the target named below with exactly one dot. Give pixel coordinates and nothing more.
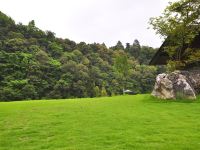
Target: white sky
(90, 20)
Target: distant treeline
(35, 64)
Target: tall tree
(118, 46)
(180, 23)
(122, 66)
(135, 49)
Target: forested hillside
(34, 64)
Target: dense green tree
(180, 23)
(122, 66)
(135, 49)
(35, 64)
(146, 54)
(97, 92)
(103, 92)
(118, 46)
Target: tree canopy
(180, 23)
(35, 64)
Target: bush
(103, 92)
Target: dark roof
(161, 57)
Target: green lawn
(124, 122)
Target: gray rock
(163, 87)
(178, 84)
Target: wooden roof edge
(155, 60)
(161, 49)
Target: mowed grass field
(115, 123)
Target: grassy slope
(126, 122)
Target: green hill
(35, 64)
(115, 123)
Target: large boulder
(178, 84)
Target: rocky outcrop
(163, 87)
(178, 84)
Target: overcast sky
(90, 20)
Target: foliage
(35, 64)
(180, 24)
(103, 92)
(97, 91)
(121, 65)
